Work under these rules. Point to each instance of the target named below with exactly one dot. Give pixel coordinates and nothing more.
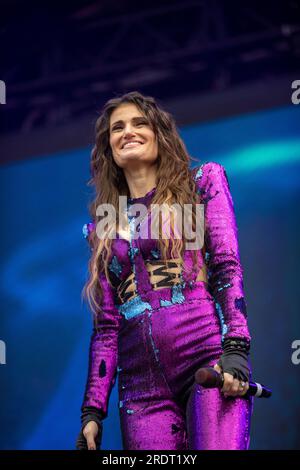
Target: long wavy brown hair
(174, 184)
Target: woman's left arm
(221, 241)
(225, 272)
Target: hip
(169, 342)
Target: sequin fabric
(156, 341)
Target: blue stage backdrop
(45, 329)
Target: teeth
(131, 144)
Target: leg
(150, 416)
(153, 424)
(217, 423)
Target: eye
(138, 124)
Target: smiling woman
(162, 310)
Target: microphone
(208, 377)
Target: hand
(232, 387)
(90, 432)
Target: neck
(140, 183)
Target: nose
(128, 129)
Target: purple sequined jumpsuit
(157, 340)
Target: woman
(161, 309)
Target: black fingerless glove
(234, 359)
(90, 413)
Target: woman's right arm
(103, 352)
(103, 357)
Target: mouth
(131, 144)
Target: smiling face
(132, 140)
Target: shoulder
(207, 169)
(209, 174)
(87, 229)
(88, 232)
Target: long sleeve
(225, 272)
(103, 352)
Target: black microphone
(208, 377)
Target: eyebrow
(136, 118)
